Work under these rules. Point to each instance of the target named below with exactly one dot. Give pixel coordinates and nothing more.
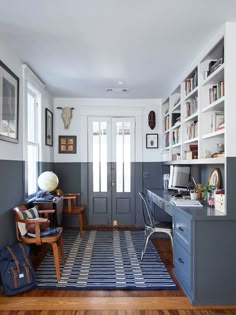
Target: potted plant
(205, 190)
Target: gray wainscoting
(230, 169)
(11, 195)
(69, 175)
(45, 166)
(73, 177)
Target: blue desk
(204, 253)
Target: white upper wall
(9, 150)
(84, 108)
(17, 151)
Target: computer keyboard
(186, 203)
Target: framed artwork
(48, 127)
(67, 144)
(214, 178)
(9, 104)
(152, 141)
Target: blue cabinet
(204, 254)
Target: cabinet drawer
(183, 230)
(182, 264)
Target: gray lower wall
(73, 177)
(11, 195)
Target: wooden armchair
(53, 239)
(71, 207)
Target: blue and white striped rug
(106, 260)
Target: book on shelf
(191, 82)
(217, 121)
(221, 127)
(192, 130)
(191, 106)
(216, 91)
(167, 123)
(175, 118)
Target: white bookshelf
(200, 101)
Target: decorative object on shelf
(9, 104)
(48, 127)
(220, 147)
(152, 119)
(48, 181)
(152, 141)
(211, 198)
(67, 144)
(193, 195)
(66, 115)
(214, 178)
(220, 200)
(215, 64)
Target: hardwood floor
(109, 302)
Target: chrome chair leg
(146, 243)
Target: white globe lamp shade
(48, 181)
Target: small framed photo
(67, 144)
(9, 104)
(152, 141)
(219, 121)
(48, 127)
(214, 178)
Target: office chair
(152, 226)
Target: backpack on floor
(17, 273)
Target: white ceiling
(79, 48)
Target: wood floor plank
(101, 303)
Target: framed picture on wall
(152, 141)
(67, 144)
(9, 104)
(48, 127)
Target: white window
(33, 104)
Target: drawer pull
(181, 229)
(181, 260)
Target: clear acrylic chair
(152, 226)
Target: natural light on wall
(33, 103)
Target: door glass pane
(103, 156)
(99, 156)
(96, 156)
(123, 153)
(127, 154)
(119, 157)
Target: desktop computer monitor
(180, 176)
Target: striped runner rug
(105, 260)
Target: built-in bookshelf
(193, 114)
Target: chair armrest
(46, 211)
(71, 194)
(70, 197)
(38, 220)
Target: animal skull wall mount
(66, 115)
